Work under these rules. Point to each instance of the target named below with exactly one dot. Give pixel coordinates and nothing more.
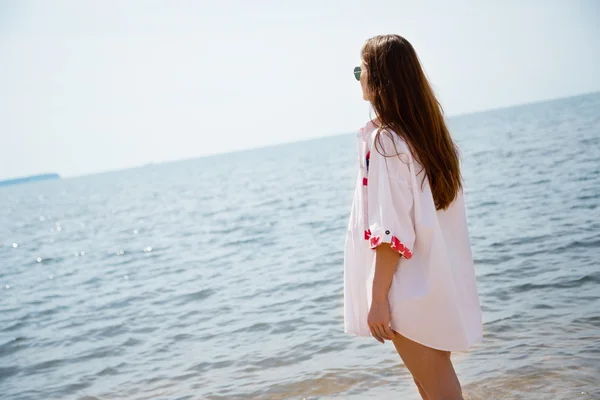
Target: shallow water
(221, 277)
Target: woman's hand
(379, 320)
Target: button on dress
(433, 295)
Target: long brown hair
(405, 103)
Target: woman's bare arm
(386, 260)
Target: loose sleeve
(389, 196)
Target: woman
(408, 268)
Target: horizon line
(228, 152)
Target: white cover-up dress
(433, 295)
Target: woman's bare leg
(421, 391)
(431, 369)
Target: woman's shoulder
(388, 143)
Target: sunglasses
(357, 72)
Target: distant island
(33, 178)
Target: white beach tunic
(433, 296)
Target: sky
(92, 86)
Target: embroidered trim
(395, 244)
(401, 248)
(375, 241)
